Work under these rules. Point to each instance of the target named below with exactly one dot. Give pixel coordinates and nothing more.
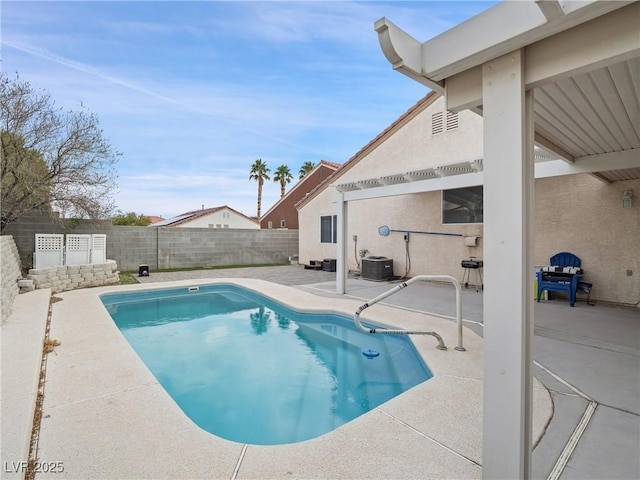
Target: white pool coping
(22, 336)
(107, 417)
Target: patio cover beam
(450, 63)
(503, 28)
(553, 168)
(613, 38)
(418, 186)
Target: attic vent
(437, 123)
(452, 120)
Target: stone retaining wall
(11, 272)
(70, 277)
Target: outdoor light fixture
(627, 199)
(384, 231)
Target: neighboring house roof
(154, 218)
(190, 216)
(301, 184)
(410, 114)
(329, 164)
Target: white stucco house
(578, 213)
(561, 76)
(425, 137)
(216, 217)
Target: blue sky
(192, 93)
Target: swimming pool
(248, 369)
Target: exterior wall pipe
(382, 296)
(384, 230)
(428, 233)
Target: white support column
(508, 255)
(341, 255)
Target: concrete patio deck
(102, 406)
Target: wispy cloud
(193, 92)
(287, 22)
(241, 108)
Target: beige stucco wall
(413, 147)
(434, 254)
(583, 215)
(576, 213)
(309, 246)
(428, 253)
(579, 213)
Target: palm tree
(306, 168)
(259, 172)
(260, 321)
(284, 176)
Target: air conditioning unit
(377, 268)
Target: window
(462, 205)
(270, 224)
(329, 229)
(282, 224)
(218, 225)
(226, 215)
(226, 225)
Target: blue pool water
(248, 369)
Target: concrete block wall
(70, 277)
(133, 246)
(202, 247)
(166, 247)
(10, 272)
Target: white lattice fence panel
(49, 251)
(78, 250)
(98, 248)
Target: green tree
(53, 159)
(25, 182)
(260, 173)
(130, 218)
(306, 168)
(282, 175)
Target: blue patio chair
(562, 275)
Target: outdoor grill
(475, 265)
(471, 263)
